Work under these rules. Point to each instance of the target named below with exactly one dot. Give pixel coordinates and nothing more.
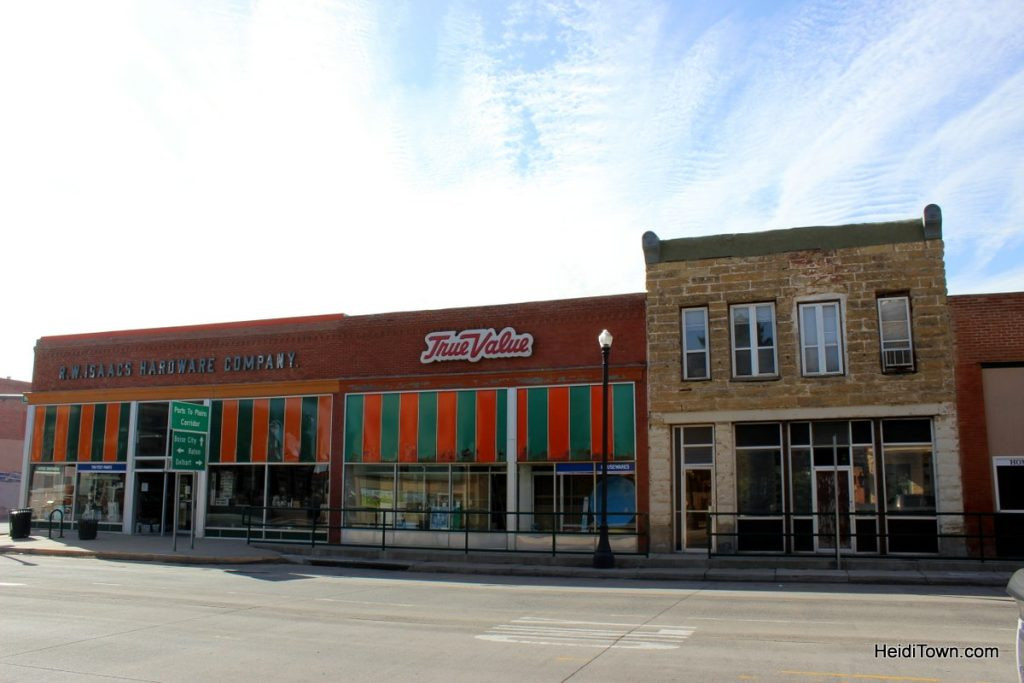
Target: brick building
(432, 424)
(989, 333)
(12, 440)
(801, 389)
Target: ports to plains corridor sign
(190, 436)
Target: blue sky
(166, 163)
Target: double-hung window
(753, 340)
(821, 339)
(894, 333)
(695, 343)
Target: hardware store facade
(462, 427)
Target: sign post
(190, 443)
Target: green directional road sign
(189, 417)
(188, 451)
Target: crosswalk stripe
(542, 631)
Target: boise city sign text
(182, 366)
(472, 345)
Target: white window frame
(997, 463)
(683, 445)
(706, 351)
(752, 333)
(819, 338)
(897, 354)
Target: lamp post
(603, 557)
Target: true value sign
(472, 345)
(190, 429)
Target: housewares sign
(472, 345)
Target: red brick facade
(339, 354)
(12, 435)
(988, 328)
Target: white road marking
(4, 583)
(595, 634)
(366, 602)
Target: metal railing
(977, 535)
(421, 529)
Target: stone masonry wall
(856, 277)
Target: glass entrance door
(154, 502)
(697, 495)
(827, 498)
(186, 490)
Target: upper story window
(695, 344)
(821, 339)
(894, 333)
(753, 340)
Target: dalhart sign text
(472, 345)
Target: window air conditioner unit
(898, 358)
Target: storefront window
(297, 493)
(478, 498)
(909, 483)
(621, 502)
(907, 457)
(52, 487)
(543, 517)
(759, 469)
(369, 488)
(800, 473)
(100, 496)
(864, 479)
(232, 489)
(151, 430)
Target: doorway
(826, 501)
(155, 498)
(697, 496)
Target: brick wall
(12, 431)
(372, 346)
(988, 328)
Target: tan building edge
(812, 332)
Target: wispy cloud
(295, 158)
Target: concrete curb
(777, 576)
(128, 556)
(753, 574)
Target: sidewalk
(110, 545)
(154, 548)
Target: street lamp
(603, 557)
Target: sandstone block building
(801, 391)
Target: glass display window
(232, 488)
(368, 490)
(100, 495)
(51, 487)
(296, 494)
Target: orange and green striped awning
(552, 424)
(92, 432)
(295, 429)
(426, 426)
(564, 423)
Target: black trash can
(21, 522)
(87, 529)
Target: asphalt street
(86, 619)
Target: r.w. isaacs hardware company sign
(280, 360)
(472, 345)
